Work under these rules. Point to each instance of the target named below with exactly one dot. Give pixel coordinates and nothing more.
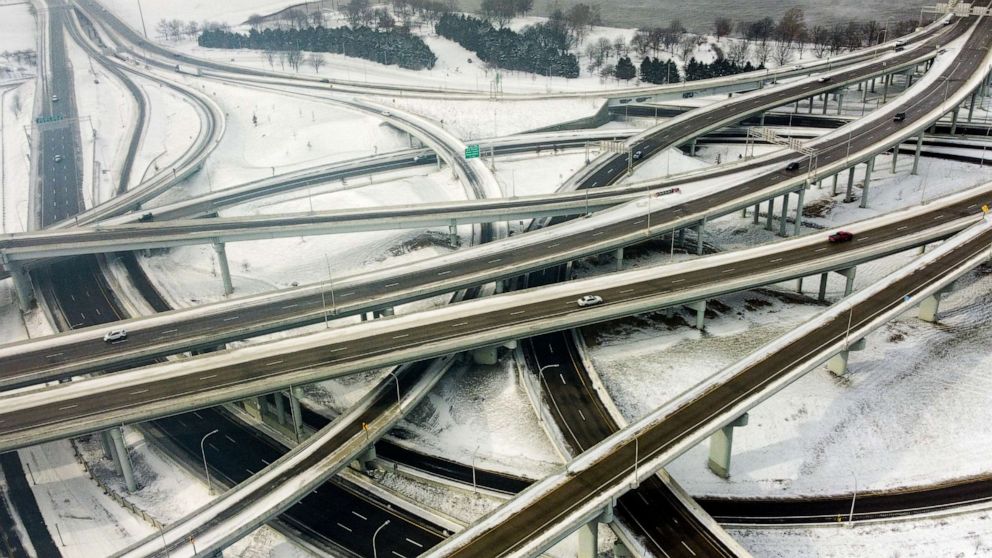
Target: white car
(55, 98)
(589, 300)
(115, 335)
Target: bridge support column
(849, 196)
(849, 273)
(885, 88)
(833, 190)
(770, 214)
(682, 237)
(280, 409)
(971, 105)
(123, 459)
(295, 413)
(954, 119)
(108, 445)
(22, 284)
(762, 121)
(621, 551)
(822, 295)
(589, 534)
(486, 355)
(785, 213)
(700, 307)
(930, 306)
(619, 259)
(864, 190)
(916, 156)
(811, 104)
(364, 462)
(700, 230)
(838, 363)
(225, 269)
(864, 93)
(389, 311)
(757, 213)
(895, 158)
(453, 233)
(840, 102)
(826, 101)
(721, 446)
(799, 212)
(692, 148)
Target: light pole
(206, 470)
(540, 372)
(854, 498)
(398, 399)
(375, 554)
(475, 487)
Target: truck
(189, 70)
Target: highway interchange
(97, 305)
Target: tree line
(384, 46)
(540, 49)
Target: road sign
(43, 119)
(472, 151)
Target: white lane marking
(391, 285)
(208, 377)
(444, 272)
(169, 331)
(66, 408)
(497, 260)
(230, 439)
(401, 336)
(53, 355)
(820, 249)
(776, 260)
(609, 171)
(338, 349)
(728, 270)
(677, 280)
(359, 515)
(288, 306)
(687, 548)
(264, 461)
(139, 392)
(231, 318)
(598, 233)
(197, 415)
(903, 227)
(346, 294)
(554, 245)
(518, 312)
(938, 217)
(639, 222)
(625, 291)
(250, 472)
(213, 447)
(551, 348)
(398, 554)
(345, 527)
(582, 415)
(415, 543)
(562, 376)
(460, 324)
(273, 363)
(643, 499)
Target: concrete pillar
(873, 84)
(833, 190)
(757, 213)
(700, 230)
(123, 459)
(225, 269)
(682, 237)
(280, 409)
(885, 88)
(388, 311)
(619, 259)
(849, 273)
(822, 295)
(954, 119)
(840, 102)
(916, 157)
(838, 363)
(485, 355)
(621, 551)
(929, 308)
(692, 148)
(700, 307)
(295, 413)
(895, 158)
(721, 446)
(770, 214)
(864, 191)
(785, 214)
(864, 94)
(826, 101)
(453, 233)
(811, 104)
(22, 284)
(762, 121)
(971, 105)
(365, 461)
(589, 540)
(108, 445)
(799, 211)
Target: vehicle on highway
(589, 300)
(900, 49)
(900, 43)
(386, 113)
(899, 116)
(797, 67)
(638, 154)
(793, 166)
(115, 335)
(188, 70)
(823, 79)
(146, 217)
(841, 236)
(55, 98)
(58, 158)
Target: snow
(171, 128)
(17, 31)
(15, 165)
(198, 10)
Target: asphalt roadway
(355, 293)
(531, 521)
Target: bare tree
(192, 29)
(270, 57)
(723, 26)
(316, 60)
(687, 44)
(820, 40)
(620, 46)
(15, 104)
(357, 11)
(255, 21)
(762, 51)
(294, 57)
(738, 51)
(782, 52)
(580, 18)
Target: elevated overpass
(90, 404)
(547, 511)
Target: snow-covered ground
(15, 167)
(17, 34)
(171, 129)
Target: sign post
(472, 151)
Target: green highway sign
(472, 151)
(43, 119)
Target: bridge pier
(280, 409)
(840, 102)
(849, 273)
(123, 460)
(700, 307)
(885, 88)
(589, 534)
(849, 195)
(799, 211)
(453, 234)
(971, 105)
(108, 445)
(296, 415)
(682, 236)
(833, 190)
(770, 214)
(954, 119)
(822, 295)
(785, 214)
(826, 101)
(895, 157)
(692, 147)
(700, 230)
(721, 446)
(365, 462)
(931, 305)
(388, 311)
(864, 189)
(619, 259)
(837, 364)
(916, 156)
(225, 269)
(811, 104)
(486, 355)
(22, 283)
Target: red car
(841, 236)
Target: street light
(375, 554)
(398, 398)
(206, 470)
(475, 487)
(854, 497)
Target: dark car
(841, 236)
(793, 166)
(824, 79)
(899, 117)
(146, 217)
